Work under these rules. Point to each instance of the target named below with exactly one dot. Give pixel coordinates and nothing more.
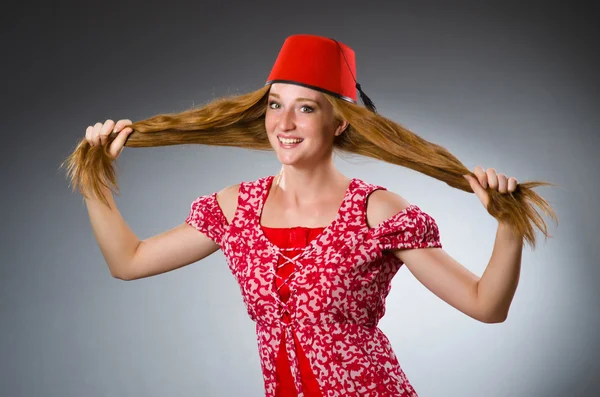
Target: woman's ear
(342, 125)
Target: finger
(502, 183)
(96, 134)
(479, 191)
(474, 182)
(88, 134)
(106, 129)
(492, 178)
(120, 124)
(512, 184)
(118, 144)
(480, 173)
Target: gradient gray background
(514, 87)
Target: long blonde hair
(240, 121)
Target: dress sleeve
(207, 217)
(409, 228)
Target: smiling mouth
(287, 141)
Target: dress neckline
(324, 229)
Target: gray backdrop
(514, 87)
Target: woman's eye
(304, 108)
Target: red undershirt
(295, 237)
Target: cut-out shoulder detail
(382, 205)
(228, 201)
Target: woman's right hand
(97, 135)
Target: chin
(292, 159)
(285, 160)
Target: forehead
(294, 91)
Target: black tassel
(366, 100)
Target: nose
(286, 120)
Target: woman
(313, 251)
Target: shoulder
(383, 204)
(227, 199)
(229, 192)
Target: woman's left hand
(489, 178)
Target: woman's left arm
(497, 286)
(487, 298)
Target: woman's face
(300, 124)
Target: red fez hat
(319, 63)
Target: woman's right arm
(127, 257)
(130, 258)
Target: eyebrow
(297, 99)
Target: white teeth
(290, 141)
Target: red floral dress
(336, 296)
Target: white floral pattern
(336, 299)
